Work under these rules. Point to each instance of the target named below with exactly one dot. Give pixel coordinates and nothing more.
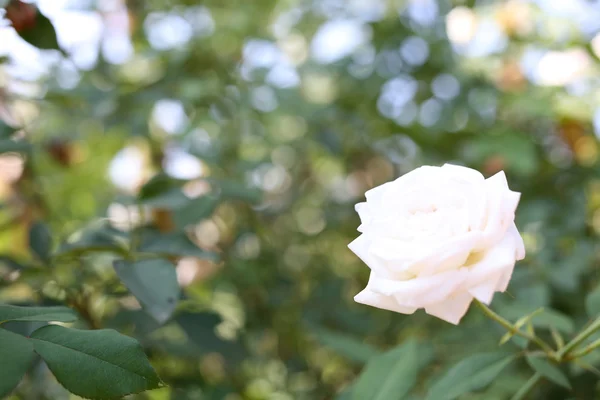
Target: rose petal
(421, 291)
(493, 270)
(452, 309)
(501, 206)
(360, 246)
(364, 214)
(467, 174)
(519, 245)
(373, 299)
(484, 292)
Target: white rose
(436, 238)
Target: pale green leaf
(153, 283)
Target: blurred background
(235, 137)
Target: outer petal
(501, 207)
(452, 309)
(520, 254)
(493, 269)
(374, 299)
(421, 291)
(365, 215)
(361, 247)
(513, 231)
(464, 173)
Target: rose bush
(436, 238)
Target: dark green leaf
(548, 371)
(171, 199)
(393, 374)
(40, 240)
(200, 330)
(158, 186)
(100, 364)
(18, 313)
(16, 354)
(42, 35)
(469, 375)
(153, 283)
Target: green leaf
(44, 314)
(153, 283)
(545, 320)
(173, 244)
(393, 374)
(100, 364)
(592, 303)
(171, 199)
(469, 375)
(16, 354)
(92, 240)
(346, 345)
(42, 35)
(195, 210)
(40, 240)
(200, 330)
(158, 186)
(548, 371)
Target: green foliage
(153, 283)
(549, 371)
(100, 364)
(392, 374)
(40, 241)
(46, 314)
(16, 354)
(469, 375)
